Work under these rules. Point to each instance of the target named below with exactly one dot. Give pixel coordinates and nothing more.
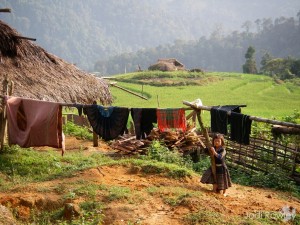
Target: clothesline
(71, 104)
(193, 106)
(254, 118)
(60, 103)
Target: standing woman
(223, 180)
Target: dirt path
(149, 197)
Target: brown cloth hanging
(34, 123)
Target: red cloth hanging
(171, 118)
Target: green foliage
(158, 151)
(294, 118)
(261, 130)
(92, 31)
(159, 78)
(250, 53)
(275, 179)
(282, 68)
(203, 164)
(263, 97)
(30, 165)
(204, 217)
(118, 193)
(92, 214)
(296, 220)
(219, 52)
(78, 131)
(250, 65)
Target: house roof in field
(40, 75)
(169, 64)
(173, 61)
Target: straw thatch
(167, 65)
(39, 75)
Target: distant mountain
(86, 31)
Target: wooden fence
(264, 155)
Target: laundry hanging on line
(171, 118)
(240, 128)
(143, 119)
(107, 122)
(34, 123)
(110, 122)
(219, 118)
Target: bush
(77, 131)
(275, 179)
(159, 152)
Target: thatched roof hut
(167, 65)
(40, 75)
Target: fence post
(7, 89)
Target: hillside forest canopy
(278, 40)
(109, 37)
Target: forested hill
(278, 38)
(89, 31)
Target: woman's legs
(215, 187)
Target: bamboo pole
(208, 145)
(7, 88)
(254, 118)
(5, 10)
(26, 38)
(131, 92)
(60, 103)
(95, 139)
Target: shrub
(77, 131)
(161, 153)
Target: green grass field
(263, 96)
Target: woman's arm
(219, 155)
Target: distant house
(170, 64)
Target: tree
(250, 64)
(264, 61)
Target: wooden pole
(208, 145)
(5, 10)
(131, 92)
(254, 118)
(95, 139)
(7, 88)
(26, 38)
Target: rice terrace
(264, 96)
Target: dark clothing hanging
(143, 119)
(79, 108)
(108, 123)
(219, 118)
(240, 128)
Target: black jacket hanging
(109, 122)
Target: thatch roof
(38, 74)
(170, 64)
